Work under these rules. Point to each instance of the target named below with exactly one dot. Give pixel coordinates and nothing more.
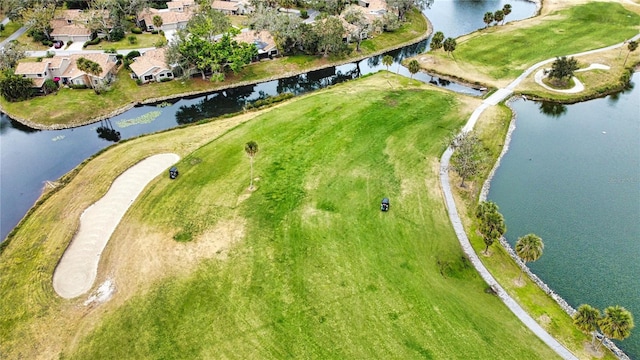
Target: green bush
(77, 86)
(111, 51)
(132, 54)
(132, 39)
(166, 79)
(136, 30)
(304, 14)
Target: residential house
(69, 25)
(171, 20)
(180, 5)
(151, 66)
(373, 8)
(263, 41)
(63, 69)
(232, 7)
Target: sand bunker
(77, 270)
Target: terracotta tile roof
(176, 4)
(31, 68)
(168, 17)
(252, 36)
(70, 30)
(224, 5)
(148, 61)
(38, 82)
(55, 62)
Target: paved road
(493, 100)
(13, 36)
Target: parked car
(173, 172)
(58, 44)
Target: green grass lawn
(142, 41)
(9, 29)
(504, 52)
(319, 273)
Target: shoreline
(486, 186)
(129, 106)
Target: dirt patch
(593, 351)
(544, 320)
(519, 282)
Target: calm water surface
(572, 176)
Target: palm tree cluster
(498, 16)
(616, 323)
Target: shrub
(154, 32)
(77, 86)
(160, 43)
(47, 43)
(132, 54)
(161, 32)
(117, 34)
(111, 51)
(50, 54)
(132, 39)
(304, 14)
(69, 43)
(139, 81)
(136, 30)
(166, 79)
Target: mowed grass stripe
(321, 272)
(507, 51)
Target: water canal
(572, 176)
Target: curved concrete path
(78, 268)
(492, 100)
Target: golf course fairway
(305, 266)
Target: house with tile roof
(63, 69)
(263, 40)
(171, 20)
(151, 66)
(232, 7)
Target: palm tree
(506, 9)
(488, 18)
(491, 223)
(616, 323)
(498, 16)
(387, 60)
(157, 22)
(632, 46)
(414, 67)
(586, 319)
(529, 248)
(89, 67)
(251, 148)
(436, 40)
(449, 45)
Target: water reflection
(552, 109)
(107, 132)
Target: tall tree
(467, 157)
(490, 223)
(449, 45)
(488, 18)
(10, 54)
(387, 60)
(563, 68)
(586, 319)
(330, 32)
(359, 22)
(529, 248)
(207, 23)
(632, 46)
(616, 323)
(436, 40)
(39, 18)
(414, 67)
(498, 16)
(506, 9)
(251, 148)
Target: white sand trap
(77, 270)
(595, 67)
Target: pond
(572, 176)
(29, 158)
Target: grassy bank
(305, 266)
(497, 55)
(492, 128)
(68, 107)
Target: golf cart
(384, 206)
(173, 172)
